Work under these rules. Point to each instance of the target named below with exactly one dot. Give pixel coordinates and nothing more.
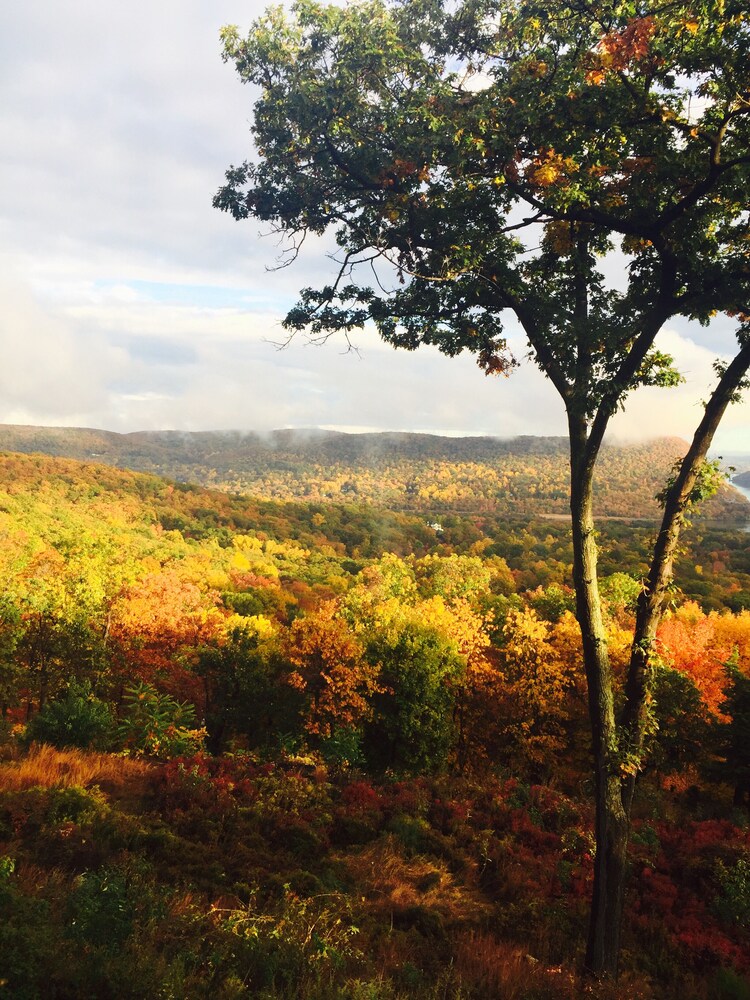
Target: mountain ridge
(401, 471)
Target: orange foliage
(331, 667)
(689, 642)
(621, 50)
(158, 624)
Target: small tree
(10, 635)
(156, 725)
(335, 678)
(486, 157)
(736, 734)
(413, 727)
(77, 719)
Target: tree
(413, 726)
(240, 671)
(493, 157)
(452, 576)
(59, 595)
(157, 625)
(330, 667)
(537, 683)
(11, 672)
(736, 745)
(688, 643)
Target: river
(746, 494)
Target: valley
(309, 746)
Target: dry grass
(482, 965)
(33, 880)
(394, 882)
(47, 767)
(501, 970)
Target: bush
(101, 908)
(157, 725)
(295, 944)
(733, 905)
(729, 985)
(79, 719)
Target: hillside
(93, 515)
(402, 472)
(329, 751)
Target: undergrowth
(236, 877)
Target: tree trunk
(652, 598)
(615, 784)
(612, 825)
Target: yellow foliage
(549, 167)
(538, 681)
(539, 677)
(457, 622)
(256, 625)
(332, 668)
(239, 561)
(733, 632)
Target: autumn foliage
(409, 727)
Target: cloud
(120, 120)
(677, 412)
(129, 302)
(125, 357)
(51, 371)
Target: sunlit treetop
(484, 156)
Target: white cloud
(131, 303)
(50, 372)
(677, 412)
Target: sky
(130, 303)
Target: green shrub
(78, 719)
(413, 729)
(733, 905)
(101, 909)
(343, 748)
(295, 944)
(74, 805)
(728, 985)
(157, 725)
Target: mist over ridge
(401, 471)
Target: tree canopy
(582, 169)
(480, 158)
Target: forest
(391, 717)
(312, 749)
(403, 472)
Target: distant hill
(743, 480)
(101, 518)
(417, 473)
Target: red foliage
(676, 891)
(214, 786)
(361, 796)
